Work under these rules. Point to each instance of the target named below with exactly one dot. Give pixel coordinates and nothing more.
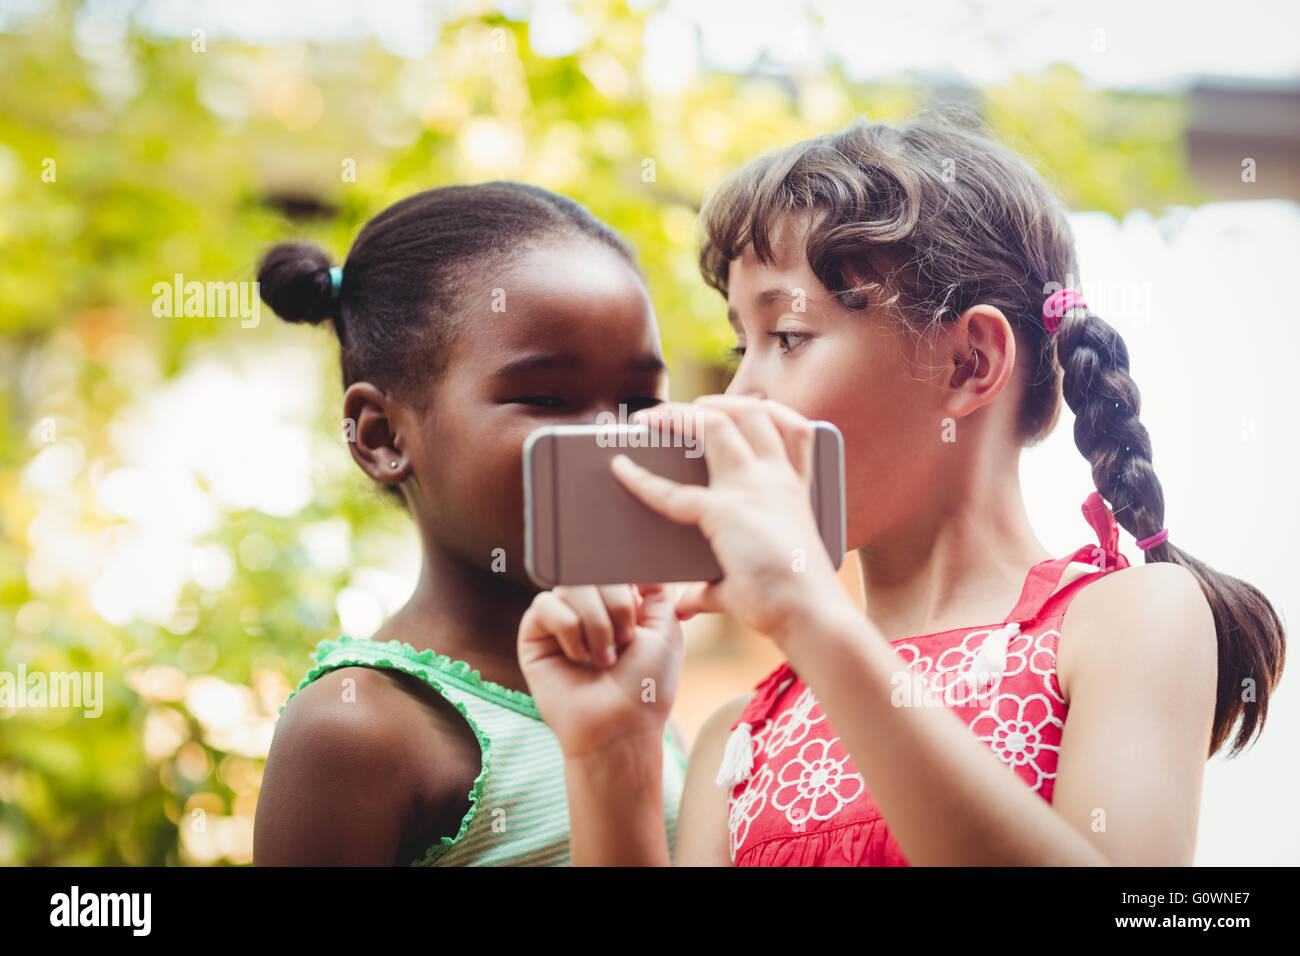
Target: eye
(647, 401)
(543, 401)
(785, 337)
(735, 353)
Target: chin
(859, 533)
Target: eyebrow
(542, 361)
(768, 296)
(763, 299)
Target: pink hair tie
(1158, 538)
(1058, 303)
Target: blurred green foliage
(127, 158)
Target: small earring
(392, 464)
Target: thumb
(699, 599)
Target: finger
(674, 500)
(533, 642)
(657, 606)
(549, 619)
(798, 433)
(752, 419)
(692, 426)
(641, 415)
(621, 605)
(699, 598)
(597, 628)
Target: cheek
(478, 484)
(495, 483)
(860, 393)
(890, 423)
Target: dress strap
(766, 692)
(1105, 555)
(738, 756)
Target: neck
(958, 565)
(466, 612)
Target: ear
(370, 422)
(982, 346)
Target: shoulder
(1162, 597)
(702, 828)
(348, 716)
(337, 777)
(711, 741)
(1140, 618)
(382, 716)
(358, 761)
(718, 725)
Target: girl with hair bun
(466, 317)
(997, 704)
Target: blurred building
(1233, 123)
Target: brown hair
(934, 216)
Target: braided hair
(1107, 430)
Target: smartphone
(581, 526)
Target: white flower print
(746, 807)
(919, 663)
(1043, 662)
(815, 785)
(794, 724)
(953, 664)
(1017, 729)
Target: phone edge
(830, 487)
(538, 471)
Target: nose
(610, 409)
(744, 386)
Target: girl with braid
(996, 703)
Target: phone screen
(581, 526)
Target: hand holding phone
(762, 456)
(582, 526)
(602, 663)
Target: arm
(1143, 673)
(616, 805)
(1143, 696)
(608, 718)
(703, 836)
(338, 784)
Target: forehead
(752, 283)
(577, 295)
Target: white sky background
(1155, 44)
(1204, 299)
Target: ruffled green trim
(444, 844)
(326, 663)
(458, 672)
(418, 664)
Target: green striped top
(518, 807)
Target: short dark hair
(395, 314)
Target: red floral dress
(801, 802)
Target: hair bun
(294, 278)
